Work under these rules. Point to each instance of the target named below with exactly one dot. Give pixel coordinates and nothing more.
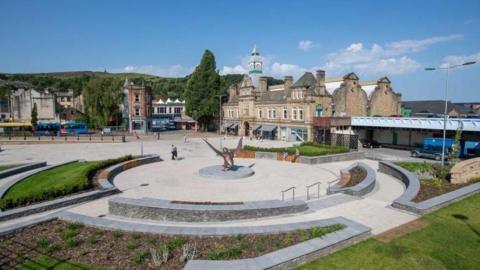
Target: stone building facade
(67, 100)
(22, 102)
(286, 111)
(139, 108)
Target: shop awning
(268, 128)
(256, 127)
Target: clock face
(258, 65)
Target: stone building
(168, 108)
(22, 102)
(67, 100)
(286, 111)
(139, 108)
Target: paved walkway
(177, 180)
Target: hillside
(76, 80)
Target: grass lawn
(306, 149)
(6, 167)
(46, 262)
(55, 182)
(450, 241)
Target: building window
(178, 110)
(137, 111)
(285, 113)
(294, 113)
(260, 113)
(300, 114)
(137, 98)
(274, 113)
(269, 113)
(319, 110)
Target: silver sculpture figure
(227, 154)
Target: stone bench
(22, 168)
(360, 189)
(158, 209)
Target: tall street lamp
(220, 113)
(447, 68)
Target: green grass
(416, 166)
(306, 149)
(451, 241)
(6, 167)
(55, 182)
(46, 262)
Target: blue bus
(73, 128)
(47, 129)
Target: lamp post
(220, 114)
(447, 68)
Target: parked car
(371, 144)
(432, 148)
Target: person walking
(285, 154)
(185, 138)
(174, 152)
(297, 155)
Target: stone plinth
(218, 172)
(464, 171)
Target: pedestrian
(174, 152)
(185, 138)
(285, 154)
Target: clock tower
(255, 66)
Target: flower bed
(121, 250)
(306, 149)
(434, 180)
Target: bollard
(113, 138)
(123, 138)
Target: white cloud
(171, 71)
(305, 45)
(389, 59)
(280, 70)
(460, 59)
(238, 69)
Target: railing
(318, 190)
(283, 193)
(330, 184)
(67, 138)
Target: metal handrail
(318, 190)
(331, 182)
(283, 193)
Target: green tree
(102, 98)
(200, 93)
(34, 115)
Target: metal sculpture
(227, 154)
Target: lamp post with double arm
(447, 69)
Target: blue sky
(167, 38)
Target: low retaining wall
(412, 183)
(293, 256)
(362, 188)
(157, 209)
(303, 159)
(107, 189)
(22, 168)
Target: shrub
(72, 242)
(132, 244)
(140, 257)
(306, 149)
(176, 241)
(52, 248)
(69, 233)
(117, 234)
(43, 243)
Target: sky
(397, 39)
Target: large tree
(201, 101)
(34, 116)
(102, 98)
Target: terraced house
(286, 111)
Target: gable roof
(308, 81)
(433, 106)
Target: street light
(447, 68)
(220, 113)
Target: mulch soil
(357, 175)
(121, 250)
(429, 189)
(402, 230)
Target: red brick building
(139, 108)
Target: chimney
(383, 83)
(288, 82)
(320, 85)
(262, 84)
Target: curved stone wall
(158, 209)
(362, 188)
(22, 168)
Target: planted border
(106, 189)
(360, 189)
(405, 201)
